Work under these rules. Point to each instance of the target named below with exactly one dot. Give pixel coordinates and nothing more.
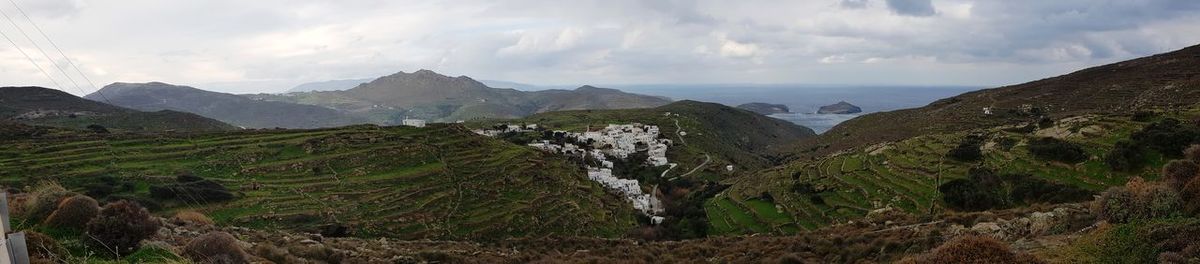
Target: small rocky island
(765, 108)
(840, 108)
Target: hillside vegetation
(1164, 81)
(437, 182)
(919, 175)
(49, 107)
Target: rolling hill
(1161, 81)
(229, 108)
(49, 107)
(439, 182)
(425, 94)
(325, 86)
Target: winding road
(707, 158)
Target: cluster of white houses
(614, 141)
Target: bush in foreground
(43, 200)
(120, 227)
(74, 212)
(215, 247)
(44, 249)
(972, 249)
(1137, 200)
(1180, 172)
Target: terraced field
(438, 182)
(906, 174)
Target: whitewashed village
(604, 146)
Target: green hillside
(438, 182)
(907, 174)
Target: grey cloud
(854, 4)
(912, 7)
(264, 42)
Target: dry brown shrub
(191, 218)
(1190, 196)
(1179, 172)
(43, 200)
(973, 249)
(120, 228)
(215, 248)
(74, 212)
(44, 248)
(1192, 153)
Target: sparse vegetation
(215, 248)
(120, 227)
(973, 249)
(968, 149)
(192, 189)
(983, 189)
(1048, 148)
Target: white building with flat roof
(413, 122)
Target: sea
(804, 100)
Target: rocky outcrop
(840, 108)
(765, 108)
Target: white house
(413, 122)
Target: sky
(271, 45)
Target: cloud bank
(270, 45)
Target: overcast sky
(271, 45)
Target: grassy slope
(437, 182)
(905, 175)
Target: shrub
(43, 200)
(215, 247)
(120, 227)
(74, 212)
(43, 248)
(1143, 116)
(1125, 156)
(1138, 200)
(1054, 149)
(192, 189)
(984, 190)
(1117, 205)
(1168, 136)
(973, 249)
(191, 218)
(97, 129)
(1190, 197)
(1192, 153)
(968, 149)
(1180, 172)
(1158, 200)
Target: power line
(35, 64)
(39, 49)
(60, 51)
